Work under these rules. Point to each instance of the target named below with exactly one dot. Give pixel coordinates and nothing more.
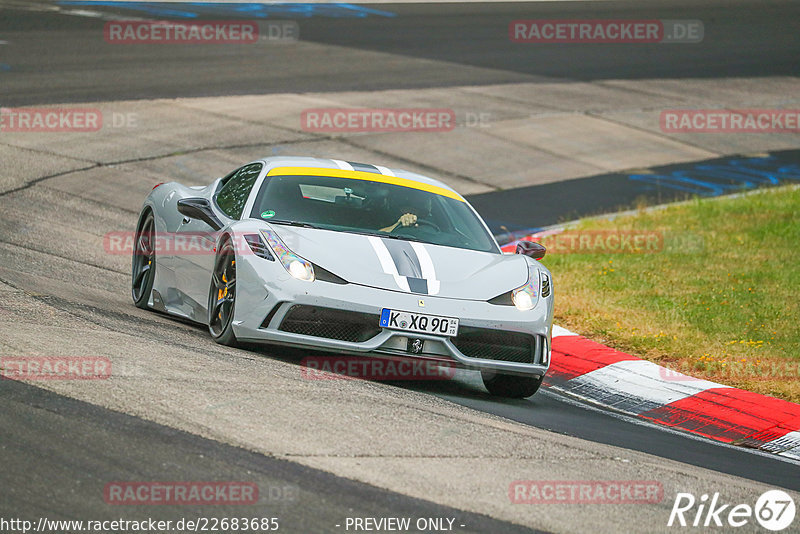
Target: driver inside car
(406, 219)
(407, 212)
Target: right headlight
(525, 297)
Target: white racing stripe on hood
(384, 170)
(387, 263)
(342, 165)
(426, 264)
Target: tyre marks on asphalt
(59, 453)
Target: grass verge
(710, 288)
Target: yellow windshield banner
(363, 175)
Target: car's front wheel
(143, 268)
(513, 386)
(222, 295)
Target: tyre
(143, 263)
(222, 295)
(512, 386)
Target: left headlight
(296, 266)
(525, 297)
(301, 269)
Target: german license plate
(419, 322)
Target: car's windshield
(374, 208)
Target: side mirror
(532, 249)
(199, 208)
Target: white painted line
(560, 331)
(387, 263)
(428, 270)
(384, 170)
(342, 165)
(636, 386)
(564, 395)
(788, 445)
(84, 13)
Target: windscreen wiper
(383, 234)
(293, 223)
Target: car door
(194, 262)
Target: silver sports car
(346, 257)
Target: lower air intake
(498, 345)
(330, 323)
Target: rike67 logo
(774, 510)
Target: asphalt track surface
(54, 446)
(58, 64)
(57, 58)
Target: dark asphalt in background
(56, 58)
(59, 453)
(509, 213)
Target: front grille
(498, 345)
(330, 323)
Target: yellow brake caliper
(223, 293)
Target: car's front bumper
(275, 297)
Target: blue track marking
(719, 178)
(513, 213)
(193, 10)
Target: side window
(233, 195)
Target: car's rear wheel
(143, 263)
(222, 295)
(513, 386)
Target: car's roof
(359, 171)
